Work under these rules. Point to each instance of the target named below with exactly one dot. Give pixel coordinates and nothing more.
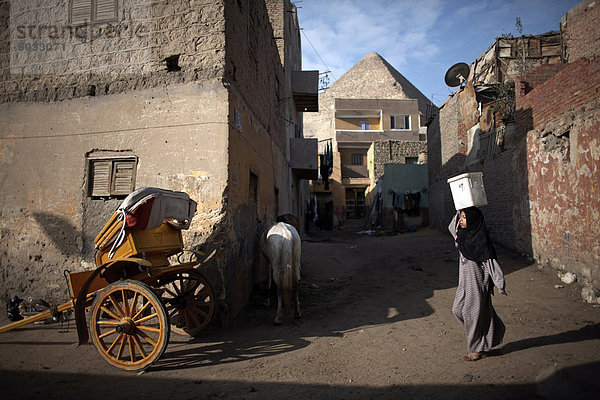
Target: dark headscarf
(474, 242)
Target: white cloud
(345, 31)
(420, 38)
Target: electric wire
(321, 58)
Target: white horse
(281, 245)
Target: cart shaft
(38, 317)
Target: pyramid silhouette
(374, 78)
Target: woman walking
(478, 273)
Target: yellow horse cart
(141, 288)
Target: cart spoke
(146, 318)
(145, 336)
(169, 307)
(198, 310)
(187, 317)
(178, 288)
(125, 303)
(195, 318)
(133, 303)
(148, 328)
(131, 349)
(116, 305)
(121, 346)
(109, 312)
(170, 292)
(112, 346)
(204, 293)
(108, 333)
(139, 345)
(108, 323)
(141, 310)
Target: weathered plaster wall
(258, 148)
(48, 223)
(563, 167)
(125, 55)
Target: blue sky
(420, 38)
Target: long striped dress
(473, 301)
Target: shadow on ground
(35, 385)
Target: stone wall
(46, 58)
(182, 125)
(394, 152)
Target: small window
(364, 125)
(111, 177)
(411, 160)
(400, 122)
(357, 159)
(92, 11)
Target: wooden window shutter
(123, 177)
(100, 174)
(81, 11)
(106, 10)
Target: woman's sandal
(475, 356)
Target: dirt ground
(376, 324)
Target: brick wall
(581, 31)
(569, 89)
(536, 77)
(563, 168)
(447, 153)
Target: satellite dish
(457, 74)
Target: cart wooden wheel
(190, 301)
(129, 325)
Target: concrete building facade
(185, 96)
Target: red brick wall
(538, 76)
(563, 168)
(581, 31)
(572, 87)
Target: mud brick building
(98, 98)
(541, 159)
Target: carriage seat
(147, 209)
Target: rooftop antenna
(457, 74)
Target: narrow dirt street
(376, 324)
